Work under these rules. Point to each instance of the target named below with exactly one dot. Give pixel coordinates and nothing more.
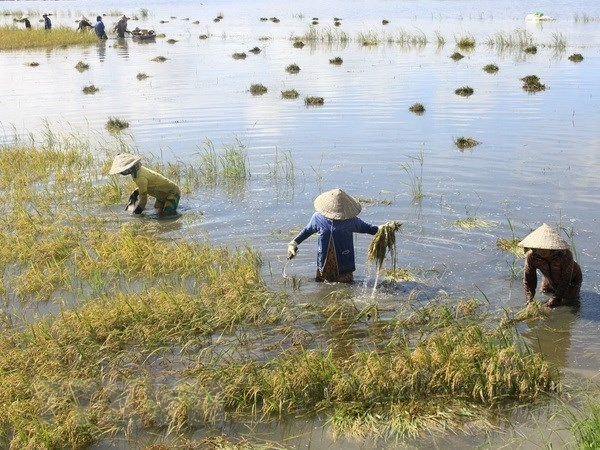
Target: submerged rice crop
(160, 335)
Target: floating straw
(385, 239)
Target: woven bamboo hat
(81, 18)
(544, 237)
(123, 162)
(337, 205)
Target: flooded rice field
(537, 159)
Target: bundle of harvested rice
(385, 239)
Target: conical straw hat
(123, 162)
(82, 17)
(337, 205)
(544, 237)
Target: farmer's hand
(137, 210)
(133, 198)
(292, 249)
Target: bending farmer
(335, 222)
(148, 182)
(547, 252)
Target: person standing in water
(335, 221)
(47, 22)
(100, 28)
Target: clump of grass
(368, 38)
(465, 142)
(415, 177)
(142, 76)
(519, 38)
(314, 101)
(292, 68)
(290, 94)
(470, 223)
(159, 59)
(241, 55)
(456, 56)
(385, 22)
(172, 41)
(586, 427)
(466, 43)
(530, 49)
(32, 64)
(274, 20)
(91, 89)
(532, 83)
(336, 61)
(576, 57)
(491, 68)
(255, 50)
(81, 66)
(203, 36)
(258, 89)
(464, 91)
(115, 124)
(510, 246)
(298, 44)
(417, 108)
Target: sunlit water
(538, 160)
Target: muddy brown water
(538, 160)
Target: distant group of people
(27, 22)
(336, 220)
(100, 29)
(84, 24)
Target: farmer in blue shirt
(47, 22)
(100, 29)
(335, 221)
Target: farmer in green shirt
(149, 183)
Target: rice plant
(292, 68)
(290, 94)
(258, 89)
(114, 124)
(91, 89)
(463, 142)
(415, 177)
(17, 38)
(417, 108)
(81, 66)
(465, 42)
(314, 101)
(491, 68)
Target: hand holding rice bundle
(384, 240)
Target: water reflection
(101, 49)
(552, 335)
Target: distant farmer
(121, 26)
(547, 252)
(25, 20)
(100, 29)
(335, 221)
(84, 23)
(148, 182)
(47, 22)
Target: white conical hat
(544, 237)
(123, 162)
(337, 205)
(82, 17)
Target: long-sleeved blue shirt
(341, 231)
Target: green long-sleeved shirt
(152, 183)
